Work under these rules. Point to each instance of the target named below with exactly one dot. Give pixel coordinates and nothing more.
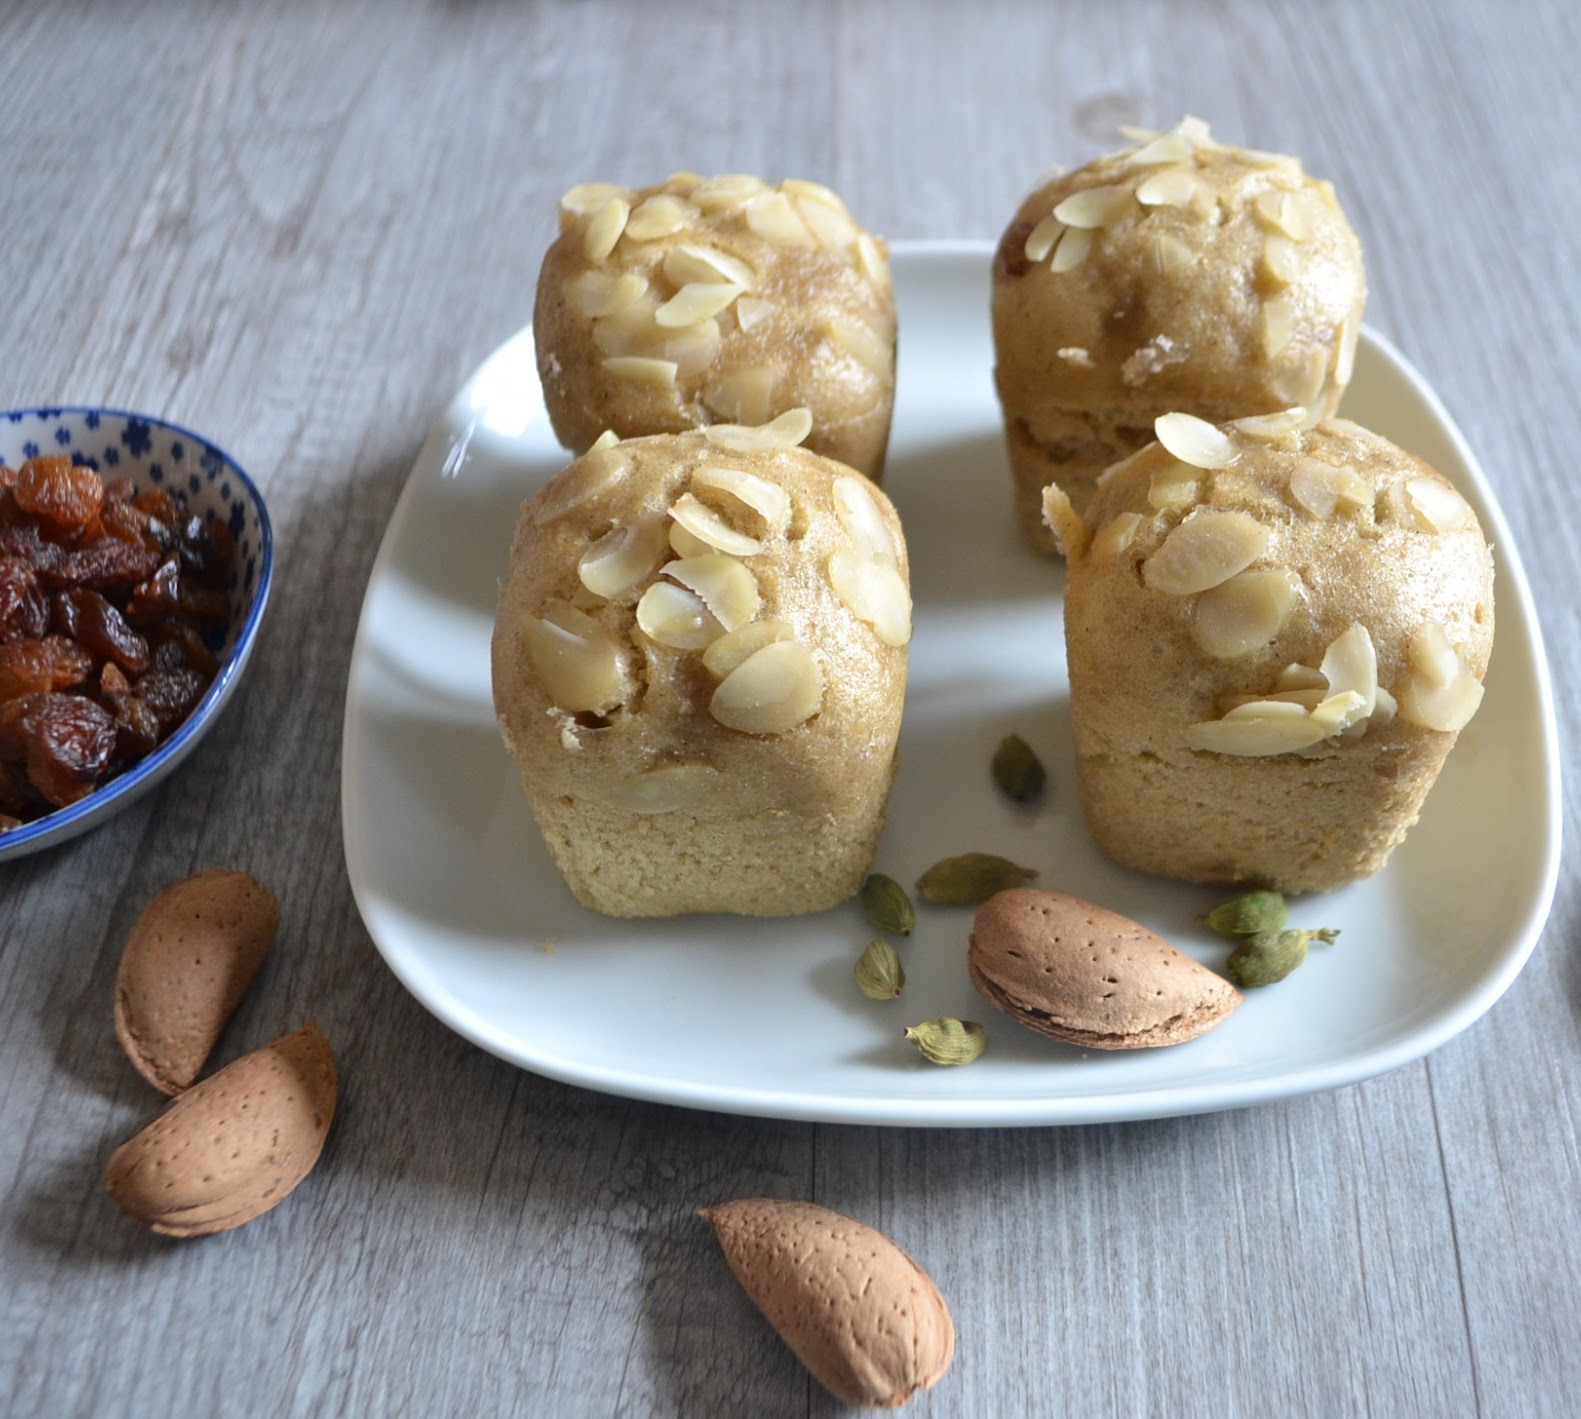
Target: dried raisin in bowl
(154, 455)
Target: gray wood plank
(296, 226)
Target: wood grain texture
(296, 225)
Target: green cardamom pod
(887, 907)
(1017, 770)
(1247, 915)
(948, 1040)
(878, 971)
(1271, 955)
(971, 878)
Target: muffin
(699, 663)
(1180, 274)
(722, 299)
(1274, 633)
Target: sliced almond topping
(870, 260)
(683, 182)
(1432, 656)
(770, 501)
(1194, 441)
(859, 340)
(631, 331)
(1072, 250)
(874, 591)
(604, 228)
(1351, 664)
(660, 216)
(751, 311)
(1277, 325)
(731, 190)
(773, 690)
(1176, 486)
(697, 300)
(1302, 381)
(1116, 535)
(707, 526)
(1075, 355)
(739, 646)
(1438, 507)
(784, 432)
(858, 513)
(1259, 737)
(608, 439)
(1301, 677)
(588, 197)
(813, 191)
(1170, 256)
(621, 558)
(1281, 262)
(1267, 709)
(1244, 613)
(664, 790)
(1262, 158)
(693, 349)
(1284, 212)
(1166, 148)
(1306, 699)
(1095, 207)
(684, 544)
(1208, 548)
(706, 265)
(1322, 488)
(675, 617)
(727, 588)
(1444, 707)
(1386, 708)
(595, 472)
(1194, 130)
(642, 370)
(580, 665)
(596, 293)
(773, 216)
(1067, 525)
(1340, 712)
(1345, 358)
(1272, 426)
(828, 223)
(743, 395)
(1174, 187)
(1040, 240)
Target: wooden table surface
(297, 226)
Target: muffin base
(1074, 463)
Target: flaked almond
(1431, 655)
(708, 527)
(716, 194)
(1090, 977)
(595, 473)
(870, 260)
(187, 964)
(858, 513)
(1345, 356)
(693, 348)
(860, 340)
(1094, 207)
(828, 222)
(588, 197)
(705, 265)
(1436, 506)
(741, 645)
(1174, 187)
(579, 663)
(1040, 240)
(1281, 261)
(643, 369)
(604, 228)
(667, 789)
(1170, 256)
(1273, 426)
(727, 588)
(621, 558)
(1073, 249)
(856, 1310)
(686, 544)
(744, 396)
(1300, 677)
(1115, 536)
(601, 293)
(232, 1147)
(630, 331)
(1194, 441)
(1304, 374)
(751, 312)
(1068, 526)
(1448, 708)
(1287, 213)
(676, 617)
(788, 430)
(874, 591)
(1166, 148)
(1244, 613)
(1257, 736)
(1208, 548)
(772, 690)
(768, 500)
(773, 216)
(695, 301)
(1351, 663)
(661, 215)
(1324, 488)
(1276, 325)
(1175, 486)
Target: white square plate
(762, 1017)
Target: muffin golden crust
(699, 666)
(1274, 635)
(699, 301)
(1179, 274)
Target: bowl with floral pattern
(204, 481)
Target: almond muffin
(705, 300)
(1179, 274)
(1275, 633)
(699, 664)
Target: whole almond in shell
(232, 1147)
(858, 1312)
(186, 966)
(1088, 976)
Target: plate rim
(945, 1112)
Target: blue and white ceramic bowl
(154, 454)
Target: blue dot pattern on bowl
(153, 454)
